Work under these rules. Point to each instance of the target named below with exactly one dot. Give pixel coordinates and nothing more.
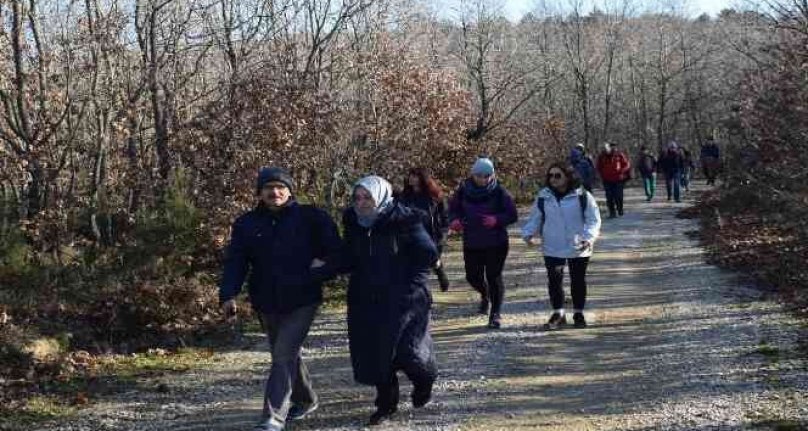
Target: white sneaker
(270, 424)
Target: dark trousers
(555, 275)
(673, 183)
(387, 394)
(484, 273)
(289, 381)
(614, 196)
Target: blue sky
(514, 9)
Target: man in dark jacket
(710, 160)
(277, 244)
(615, 169)
(584, 166)
(671, 164)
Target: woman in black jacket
(423, 193)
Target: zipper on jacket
(370, 241)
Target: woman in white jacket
(567, 219)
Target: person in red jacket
(614, 169)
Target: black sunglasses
(556, 175)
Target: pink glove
(489, 221)
(456, 225)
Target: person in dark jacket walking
(614, 168)
(482, 209)
(388, 254)
(710, 160)
(583, 166)
(647, 167)
(276, 244)
(671, 164)
(423, 193)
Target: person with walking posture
(388, 255)
(647, 167)
(482, 210)
(688, 168)
(583, 166)
(423, 193)
(567, 219)
(276, 244)
(710, 160)
(615, 169)
(671, 164)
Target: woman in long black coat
(389, 255)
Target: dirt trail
(674, 343)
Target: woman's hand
(456, 226)
(529, 241)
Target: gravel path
(674, 344)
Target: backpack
(582, 201)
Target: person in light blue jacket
(567, 219)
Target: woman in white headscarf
(388, 255)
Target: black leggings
(484, 273)
(555, 275)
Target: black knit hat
(272, 173)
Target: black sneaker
(381, 416)
(556, 321)
(483, 309)
(578, 320)
(300, 411)
(421, 395)
(443, 280)
(495, 322)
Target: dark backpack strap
(540, 205)
(583, 201)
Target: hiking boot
(620, 213)
(556, 321)
(495, 322)
(381, 416)
(269, 424)
(483, 308)
(299, 411)
(421, 395)
(578, 320)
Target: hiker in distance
(482, 210)
(583, 166)
(276, 244)
(567, 219)
(388, 254)
(710, 160)
(647, 167)
(671, 164)
(423, 193)
(615, 169)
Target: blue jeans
(673, 184)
